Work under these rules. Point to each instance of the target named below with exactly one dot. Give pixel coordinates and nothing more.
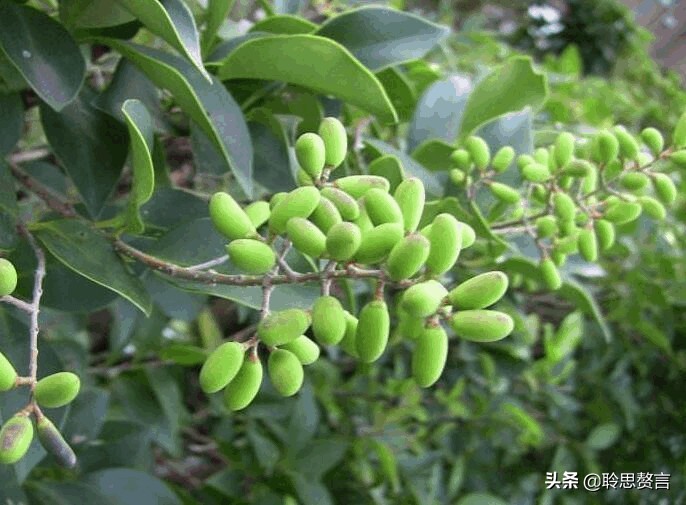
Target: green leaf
(173, 21)
(65, 493)
(584, 300)
(225, 47)
(124, 487)
(603, 436)
(399, 90)
(91, 145)
(284, 24)
(434, 155)
(380, 37)
(208, 104)
(313, 62)
(184, 354)
(480, 499)
(89, 254)
(93, 14)
(266, 451)
(12, 121)
(272, 161)
(43, 52)
(310, 492)
(389, 167)
(566, 338)
(8, 194)
(140, 127)
(508, 88)
(217, 12)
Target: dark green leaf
(266, 451)
(603, 436)
(124, 487)
(434, 155)
(66, 493)
(184, 354)
(217, 12)
(400, 92)
(224, 48)
(12, 121)
(93, 14)
(284, 24)
(480, 499)
(272, 161)
(8, 194)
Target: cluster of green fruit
(577, 190)
(356, 222)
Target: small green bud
(678, 158)
(607, 146)
(408, 256)
(634, 181)
(628, 147)
(243, 389)
(304, 349)
(479, 292)
(564, 206)
(623, 212)
(306, 237)
(328, 320)
(546, 226)
(372, 331)
(221, 366)
(535, 172)
(605, 231)
(461, 159)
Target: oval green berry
(53, 442)
(605, 232)
(423, 299)
(306, 237)
(524, 160)
(8, 277)
(8, 375)
(461, 159)
(347, 205)
(546, 226)
(564, 149)
(311, 154)
(564, 206)
(229, 218)
(535, 172)
(634, 181)
(304, 349)
(283, 326)
(325, 215)
(221, 366)
(373, 328)
(57, 390)
(628, 147)
(285, 372)
(679, 135)
(541, 155)
(429, 356)
(479, 292)
(343, 241)
(505, 193)
(410, 196)
(328, 320)
(357, 185)
(408, 256)
(468, 235)
(258, 213)
(409, 326)
(607, 146)
(445, 243)
(578, 168)
(623, 212)
(251, 256)
(664, 188)
(382, 208)
(481, 325)
(332, 132)
(303, 178)
(457, 176)
(653, 139)
(300, 202)
(378, 242)
(243, 389)
(588, 244)
(678, 158)
(276, 199)
(503, 158)
(363, 222)
(15, 439)
(653, 208)
(478, 151)
(348, 342)
(550, 274)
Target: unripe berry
(623, 212)
(53, 442)
(578, 168)
(568, 244)
(229, 218)
(429, 356)
(423, 299)
(564, 149)
(343, 241)
(565, 182)
(310, 152)
(605, 231)
(285, 372)
(306, 237)
(258, 213)
(303, 178)
(243, 389)
(282, 327)
(347, 205)
(535, 172)
(8, 375)
(607, 147)
(348, 342)
(461, 159)
(588, 245)
(503, 158)
(478, 151)
(504, 193)
(445, 240)
(678, 158)
(372, 331)
(550, 274)
(357, 185)
(410, 196)
(479, 292)
(634, 181)
(363, 222)
(304, 349)
(457, 176)
(300, 202)
(468, 235)
(57, 390)
(332, 132)
(653, 139)
(381, 207)
(276, 199)
(653, 208)
(564, 206)
(679, 135)
(251, 256)
(546, 226)
(541, 155)
(628, 147)
(221, 366)
(407, 256)
(15, 438)
(524, 160)
(408, 326)
(540, 194)
(559, 258)
(481, 325)
(664, 188)
(378, 242)
(325, 215)
(328, 320)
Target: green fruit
(558, 258)
(479, 292)
(664, 188)
(53, 442)
(679, 135)
(332, 132)
(306, 237)
(409, 326)
(653, 208)
(378, 242)
(311, 154)
(410, 196)
(57, 390)
(325, 215)
(568, 244)
(429, 356)
(300, 202)
(578, 168)
(564, 206)
(221, 366)
(524, 160)
(408, 256)
(653, 139)
(348, 342)
(678, 158)
(229, 218)
(303, 179)
(564, 149)
(623, 212)
(628, 147)
(243, 389)
(607, 147)
(457, 176)
(251, 256)
(605, 232)
(541, 155)
(328, 320)
(283, 326)
(565, 182)
(363, 222)
(481, 325)
(468, 235)
(285, 372)
(540, 194)
(343, 241)
(373, 327)
(634, 181)
(258, 213)
(504, 193)
(304, 349)
(588, 245)
(546, 226)
(535, 172)
(347, 205)
(423, 299)
(8, 375)
(478, 151)
(461, 159)
(550, 274)
(357, 185)
(381, 207)
(8, 277)
(15, 438)
(503, 158)
(276, 199)
(445, 240)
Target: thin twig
(43, 192)
(209, 264)
(20, 304)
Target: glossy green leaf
(399, 90)
(12, 121)
(89, 254)
(124, 486)
(224, 48)
(8, 194)
(66, 493)
(184, 354)
(43, 52)
(292, 59)
(434, 155)
(284, 24)
(396, 36)
(217, 12)
(388, 167)
(93, 13)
